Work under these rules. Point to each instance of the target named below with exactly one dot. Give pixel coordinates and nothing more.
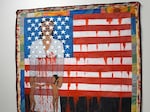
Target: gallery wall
(8, 10)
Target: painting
(81, 58)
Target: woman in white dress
(46, 61)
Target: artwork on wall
(84, 58)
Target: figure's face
(47, 28)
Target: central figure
(46, 71)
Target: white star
(32, 25)
(59, 37)
(67, 36)
(47, 51)
(36, 20)
(63, 41)
(29, 56)
(67, 27)
(32, 52)
(39, 33)
(59, 46)
(32, 34)
(29, 21)
(29, 28)
(51, 27)
(47, 22)
(40, 51)
(47, 42)
(55, 32)
(44, 47)
(33, 42)
(55, 51)
(43, 37)
(51, 19)
(59, 27)
(36, 38)
(59, 19)
(47, 33)
(67, 55)
(43, 28)
(36, 47)
(63, 51)
(29, 47)
(55, 23)
(67, 46)
(36, 28)
(43, 19)
(62, 23)
(29, 38)
(39, 24)
(62, 32)
(66, 18)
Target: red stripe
(102, 16)
(90, 68)
(101, 27)
(95, 68)
(105, 54)
(84, 93)
(101, 40)
(87, 80)
(45, 67)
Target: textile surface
(102, 58)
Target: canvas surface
(101, 52)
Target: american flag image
(97, 51)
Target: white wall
(7, 45)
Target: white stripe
(130, 74)
(102, 47)
(73, 74)
(27, 84)
(117, 88)
(106, 74)
(26, 61)
(97, 22)
(126, 88)
(84, 47)
(90, 87)
(26, 73)
(84, 61)
(98, 61)
(125, 74)
(116, 74)
(97, 87)
(128, 46)
(126, 21)
(79, 22)
(84, 34)
(127, 60)
(113, 33)
(64, 86)
(82, 74)
(112, 61)
(90, 47)
(125, 32)
(95, 61)
(111, 22)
